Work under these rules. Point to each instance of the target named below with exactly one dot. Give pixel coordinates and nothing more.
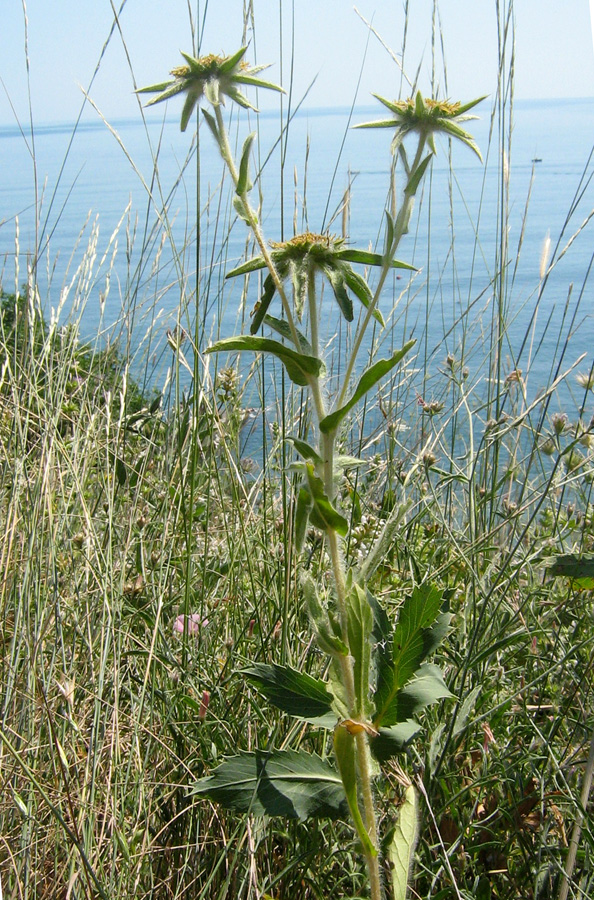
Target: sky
(332, 43)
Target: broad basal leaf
(288, 783)
(296, 693)
(299, 367)
(369, 379)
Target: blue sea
(129, 192)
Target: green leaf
(345, 754)
(361, 290)
(120, 470)
(241, 209)
(323, 515)
(296, 693)
(419, 630)
(402, 842)
(369, 379)
(573, 566)
(417, 176)
(306, 451)
(366, 258)
(212, 124)
(425, 688)
(252, 265)
(288, 783)
(258, 82)
(231, 61)
(243, 182)
(390, 230)
(265, 301)
(392, 741)
(299, 367)
(281, 326)
(337, 282)
(328, 640)
(360, 627)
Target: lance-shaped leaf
(251, 265)
(327, 629)
(417, 176)
(336, 277)
(401, 844)
(281, 326)
(367, 258)
(360, 627)
(243, 181)
(361, 290)
(288, 783)
(323, 514)
(299, 367)
(269, 289)
(306, 451)
(296, 693)
(345, 755)
(420, 629)
(369, 379)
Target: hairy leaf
(360, 627)
(402, 843)
(298, 366)
(289, 783)
(367, 258)
(281, 326)
(345, 753)
(323, 515)
(306, 450)
(369, 379)
(268, 292)
(243, 182)
(296, 693)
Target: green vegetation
(227, 677)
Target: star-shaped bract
(302, 257)
(213, 77)
(426, 117)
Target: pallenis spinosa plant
(378, 677)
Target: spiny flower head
(426, 117)
(307, 254)
(213, 77)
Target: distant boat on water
(537, 159)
